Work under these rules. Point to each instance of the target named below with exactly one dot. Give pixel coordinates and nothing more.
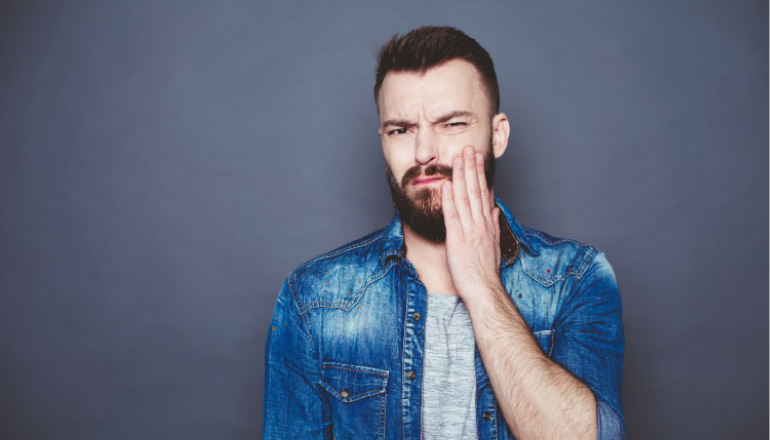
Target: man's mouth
(426, 180)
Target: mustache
(435, 169)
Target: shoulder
(555, 258)
(336, 278)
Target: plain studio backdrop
(165, 164)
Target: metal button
(486, 415)
(411, 375)
(345, 393)
(416, 316)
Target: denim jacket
(345, 347)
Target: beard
(422, 212)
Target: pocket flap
(348, 382)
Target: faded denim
(345, 347)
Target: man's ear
(500, 131)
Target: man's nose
(426, 148)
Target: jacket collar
(512, 238)
(514, 232)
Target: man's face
(425, 121)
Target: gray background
(165, 164)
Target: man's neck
(429, 259)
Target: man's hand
(472, 228)
(538, 398)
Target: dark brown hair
(431, 46)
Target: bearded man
(454, 321)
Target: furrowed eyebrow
(454, 114)
(441, 119)
(399, 123)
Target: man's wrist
(486, 297)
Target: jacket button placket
(485, 404)
(414, 339)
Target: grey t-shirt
(449, 371)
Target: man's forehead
(455, 85)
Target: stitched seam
(403, 364)
(383, 373)
(352, 398)
(577, 273)
(589, 258)
(302, 315)
(360, 396)
(590, 253)
(383, 413)
(543, 281)
(352, 246)
(366, 394)
(548, 283)
(342, 304)
(497, 420)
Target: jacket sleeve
(589, 342)
(294, 406)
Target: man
(454, 321)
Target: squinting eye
(398, 131)
(456, 124)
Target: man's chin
(419, 210)
(427, 223)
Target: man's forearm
(538, 398)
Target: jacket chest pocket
(358, 395)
